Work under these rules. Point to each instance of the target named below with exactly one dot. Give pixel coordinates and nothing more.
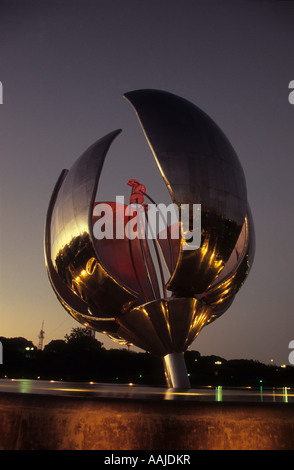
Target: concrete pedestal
(43, 422)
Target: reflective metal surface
(82, 284)
(175, 371)
(198, 165)
(166, 325)
(113, 285)
(124, 257)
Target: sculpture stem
(176, 371)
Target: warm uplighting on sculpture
(156, 294)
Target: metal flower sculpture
(116, 285)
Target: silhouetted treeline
(81, 357)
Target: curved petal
(199, 166)
(66, 297)
(222, 292)
(69, 244)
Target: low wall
(40, 422)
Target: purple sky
(64, 66)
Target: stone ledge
(45, 422)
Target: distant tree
(82, 339)
(57, 346)
(18, 344)
(18, 357)
(78, 333)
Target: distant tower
(41, 337)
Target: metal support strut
(176, 371)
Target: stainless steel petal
(221, 293)
(72, 250)
(199, 166)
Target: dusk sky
(64, 67)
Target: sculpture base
(51, 422)
(176, 371)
